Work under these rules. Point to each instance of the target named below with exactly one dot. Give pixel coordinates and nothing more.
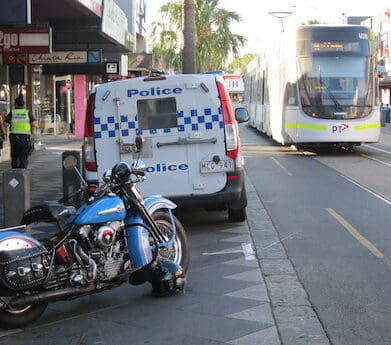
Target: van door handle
(188, 141)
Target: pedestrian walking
(20, 123)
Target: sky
(257, 25)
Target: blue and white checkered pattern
(192, 121)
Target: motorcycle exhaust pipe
(50, 296)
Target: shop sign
(112, 68)
(140, 60)
(15, 59)
(65, 57)
(94, 56)
(25, 40)
(114, 21)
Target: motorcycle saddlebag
(40, 213)
(23, 268)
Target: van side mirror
(241, 115)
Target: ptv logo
(339, 129)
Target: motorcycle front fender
(157, 202)
(140, 249)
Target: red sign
(25, 40)
(18, 59)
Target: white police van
(191, 138)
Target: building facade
(52, 52)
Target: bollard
(16, 195)
(70, 179)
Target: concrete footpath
(285, 306)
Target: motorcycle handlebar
(70, 196)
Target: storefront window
(53, 102)
(5, 103)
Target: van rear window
(157, 113)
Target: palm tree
(166, 38)
(189, 37)
(214, 39)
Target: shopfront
(54, 52)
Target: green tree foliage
(313, 22)
(240, 64)
(214, 39)
(167, 39)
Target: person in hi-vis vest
(20, 123)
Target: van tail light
(89, 147)
(230, 124)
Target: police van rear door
(180, 119)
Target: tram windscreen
(335, 87)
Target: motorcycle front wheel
(20, 317)
(179, 251)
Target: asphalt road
(333, 217)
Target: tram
(316, 85)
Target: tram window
(290, 94)
(334, 84)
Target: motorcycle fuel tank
(106, 209)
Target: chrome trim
(18, 227)
(115, 209)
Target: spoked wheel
(20, 317)
(179, 251)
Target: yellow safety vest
(20, 122)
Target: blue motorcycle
(116, 236)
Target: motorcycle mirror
(139, 140)
(139, 167)
(106, 176)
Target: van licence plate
(221, 166)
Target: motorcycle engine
(103, 254)
(105, 236)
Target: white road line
(376, 148)
(377, 195)
(247, 250)
(224, 252)
(375, 159)
(282, 239)
(281, 166)
(62, 148)
(10, 332)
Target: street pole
(281, 15)
(54, 106)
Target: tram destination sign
(25, 40)
(340, 46)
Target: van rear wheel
(238, 215)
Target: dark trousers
(20, 150)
